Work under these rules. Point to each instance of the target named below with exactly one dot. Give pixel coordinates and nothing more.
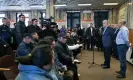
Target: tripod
(93, 60)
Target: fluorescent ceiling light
(130, 3)
(84, 4)
(36, 6)
(110, 4)
(73, 11)
(13, 5)
(60, 5)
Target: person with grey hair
(122, 42)
(107, 44)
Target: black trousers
(107, 56)
(115, 50)
(85, 44)
(2, 77)
(76, 52)
(5, 50)
(74, 69)
(91, 42)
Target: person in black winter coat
(20, 29)
(47, 32)
(5, 30)
(5, 36)
(34, 27)
(65, 55)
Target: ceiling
(22, 4)
(71, 4)
(96, 4)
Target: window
(2, 15)
(26, 17)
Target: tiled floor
(96, 72)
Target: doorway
(73, 19)
(99, 16)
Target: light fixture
(130, 3)
(110, 4)
(60, 5)
(14, 5)
(84, 4)
(36, 5)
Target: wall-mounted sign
(61, 23)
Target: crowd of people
(48, 53)
(41, 52)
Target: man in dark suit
(116, 30)
(91, 39)
(85, 37)
(107, 44)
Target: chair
(8, 67)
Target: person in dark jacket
(79, 33)
(91, 39)
(116, 30)
(3, 45)
(25, 46)
(47, 32)
(85, 37)
(72, 41)
(20, 29)
(100, 37)
(107, 39)
(34, 27)
(5, 30)
(5, 37)
(35, 38)
(65, 55)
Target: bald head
(105, 23)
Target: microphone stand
(93, 58)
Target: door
(73, 19)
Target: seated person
(65, 55)
(25, 46)
(35, 38)
(37, 65)
(72, 45)
(59, 66)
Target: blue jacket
(107, 37)
(29, 72)
(24, 49)
(5, 32)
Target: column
(50, 9)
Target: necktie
(104, 30)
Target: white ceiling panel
(96, 4)
(22, 4)
(71, 4)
